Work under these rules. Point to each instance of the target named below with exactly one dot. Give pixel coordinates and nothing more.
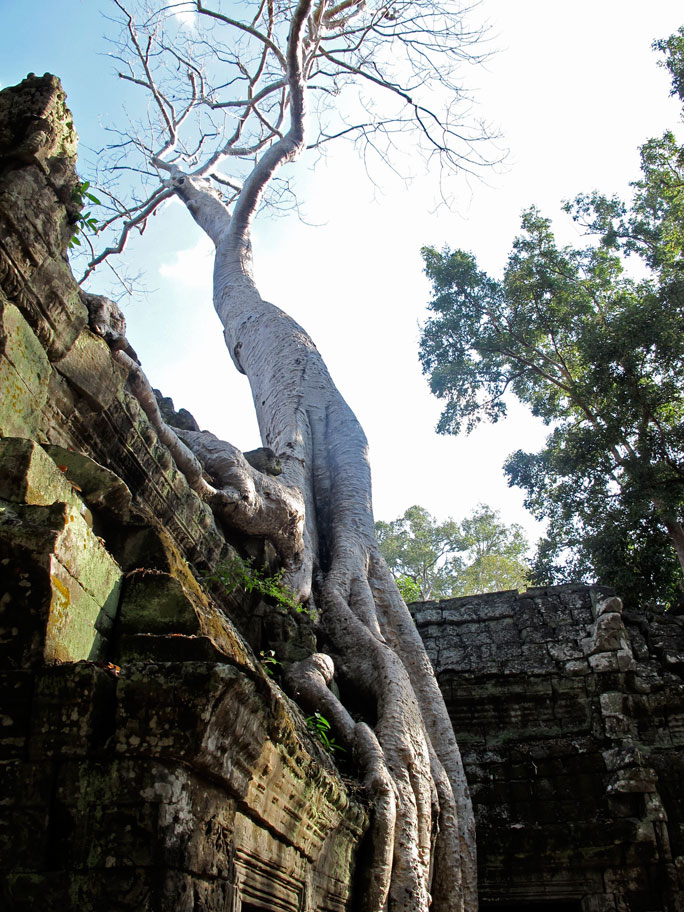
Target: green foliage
(320, 726)
(269, 661)
(421, 553)
(594, 352)
(495, 554)
(85, 221)
(240, 574)
(408, 589)
(433, 560)
(673, 49)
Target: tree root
(245, 498)
(309, 682)
(258, 504)
(458, 851)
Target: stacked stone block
(568, 712)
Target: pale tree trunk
(676, 533)
(377, 650)
(674, 528)
(423, 825)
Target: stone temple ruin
(148, 762)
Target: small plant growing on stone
(238, 573)
(320, 726)
(269, 661)
(85, 221)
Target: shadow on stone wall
(570, 716)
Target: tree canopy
(432, 560)
(222, 95)
(597, 354)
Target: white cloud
(191, 267)
(185, 14)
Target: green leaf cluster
(321, 728)
(85, 221)
(432, 560)
(268, 659)
(597, 354)
(421, 553)
(237, 573)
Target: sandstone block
(61, 588)
(99, 487)
(73, 707)
(28, 475)
(156, 602)
(603, 661)
(176, 647)
(89, 367)
(24, 375)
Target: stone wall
(147, 761)
(570, 717)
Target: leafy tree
(495, 554)
(228, 110)
(440, 560)
(421, 553)
(598, 355)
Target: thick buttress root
(309, 682)
(244, 497)
(423, 829)
(427, 857)
(248, 499)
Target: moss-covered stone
(28, 475)
(24, 376)
(89, 367)
(156, 602)
(101, 488)
(61, 586)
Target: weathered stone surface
(174, 647)
(155, 602)
(35, 124)
(89, 368)
(24, 375)
(180, 777)
(28, 475)
(61, 587)
(172, 603)
(101, 489)
(569, 719)
(49, 537)
(126, 775)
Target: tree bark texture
(410, 757)
(676, 532)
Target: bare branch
(153, 203)
(235, 23)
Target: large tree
(228, 102)
(432, 560)
(494, 554)
(597, 354)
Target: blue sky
(574, 89)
